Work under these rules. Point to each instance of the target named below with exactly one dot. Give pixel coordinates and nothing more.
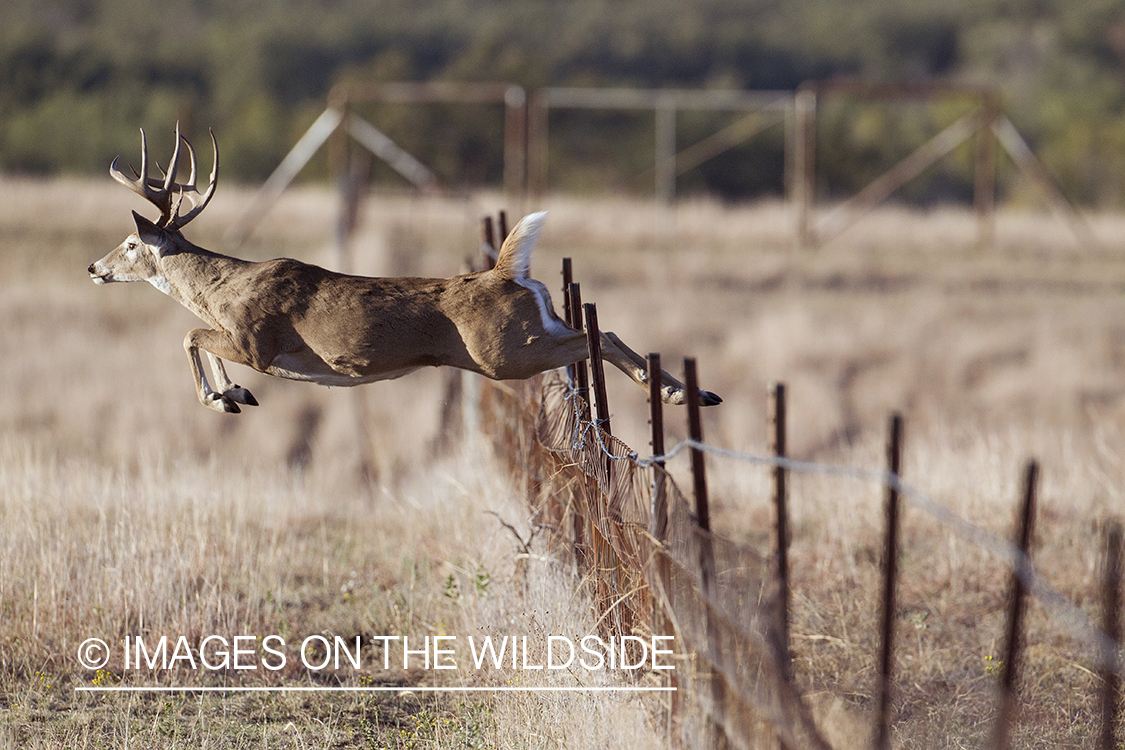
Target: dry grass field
(126, 507)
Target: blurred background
(908, 310)
(79, 76)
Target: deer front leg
(224, 385)
(215, 343)
(672, 391)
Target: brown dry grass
(124, 510)
(124, 504)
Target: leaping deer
(298, 321)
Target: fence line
(728, 621)
(651, 565)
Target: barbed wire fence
(654, 566)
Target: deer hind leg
(571, 348)
(226, 396)
(672, 391)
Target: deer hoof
(706, 398)
(221, 403)
(240, 395)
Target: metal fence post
(698, 472)
(776, 429)
(659, 521)
(581, 372)
(1013, 640)
(890, 574)
(597, 370)
(1111, 625)
(597, 375)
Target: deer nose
(91, 269)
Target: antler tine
(189, 189)
(143, 185)
(190, 184)
(136, 185)
(170, 176)
(144, 159)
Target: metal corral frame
(526, 142)
(985, 123)
(512, 97)
(664, 103)
(976, 123)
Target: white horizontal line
(376, 689)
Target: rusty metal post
(1015, 609)
(606, 562)
(775, 419)
(659, 521)
(707, 575)
(502, 229)
(568, 279)
(597, 380)
(890, 576)
(568, 314)
(1111, 626)
(488, 238)
(695, 432)
(583, 553)
(658, 527)
(581, 373)
(597, 371)
(698, 474)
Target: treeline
(78, 76)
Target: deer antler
(167, 194)
(188, 189)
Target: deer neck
(191, 275)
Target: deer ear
(152, 235)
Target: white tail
(302, 322)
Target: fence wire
(718, 597)
(1108, 652)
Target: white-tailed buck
(298, 321)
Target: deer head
(136, 259)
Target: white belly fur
(283, 365)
